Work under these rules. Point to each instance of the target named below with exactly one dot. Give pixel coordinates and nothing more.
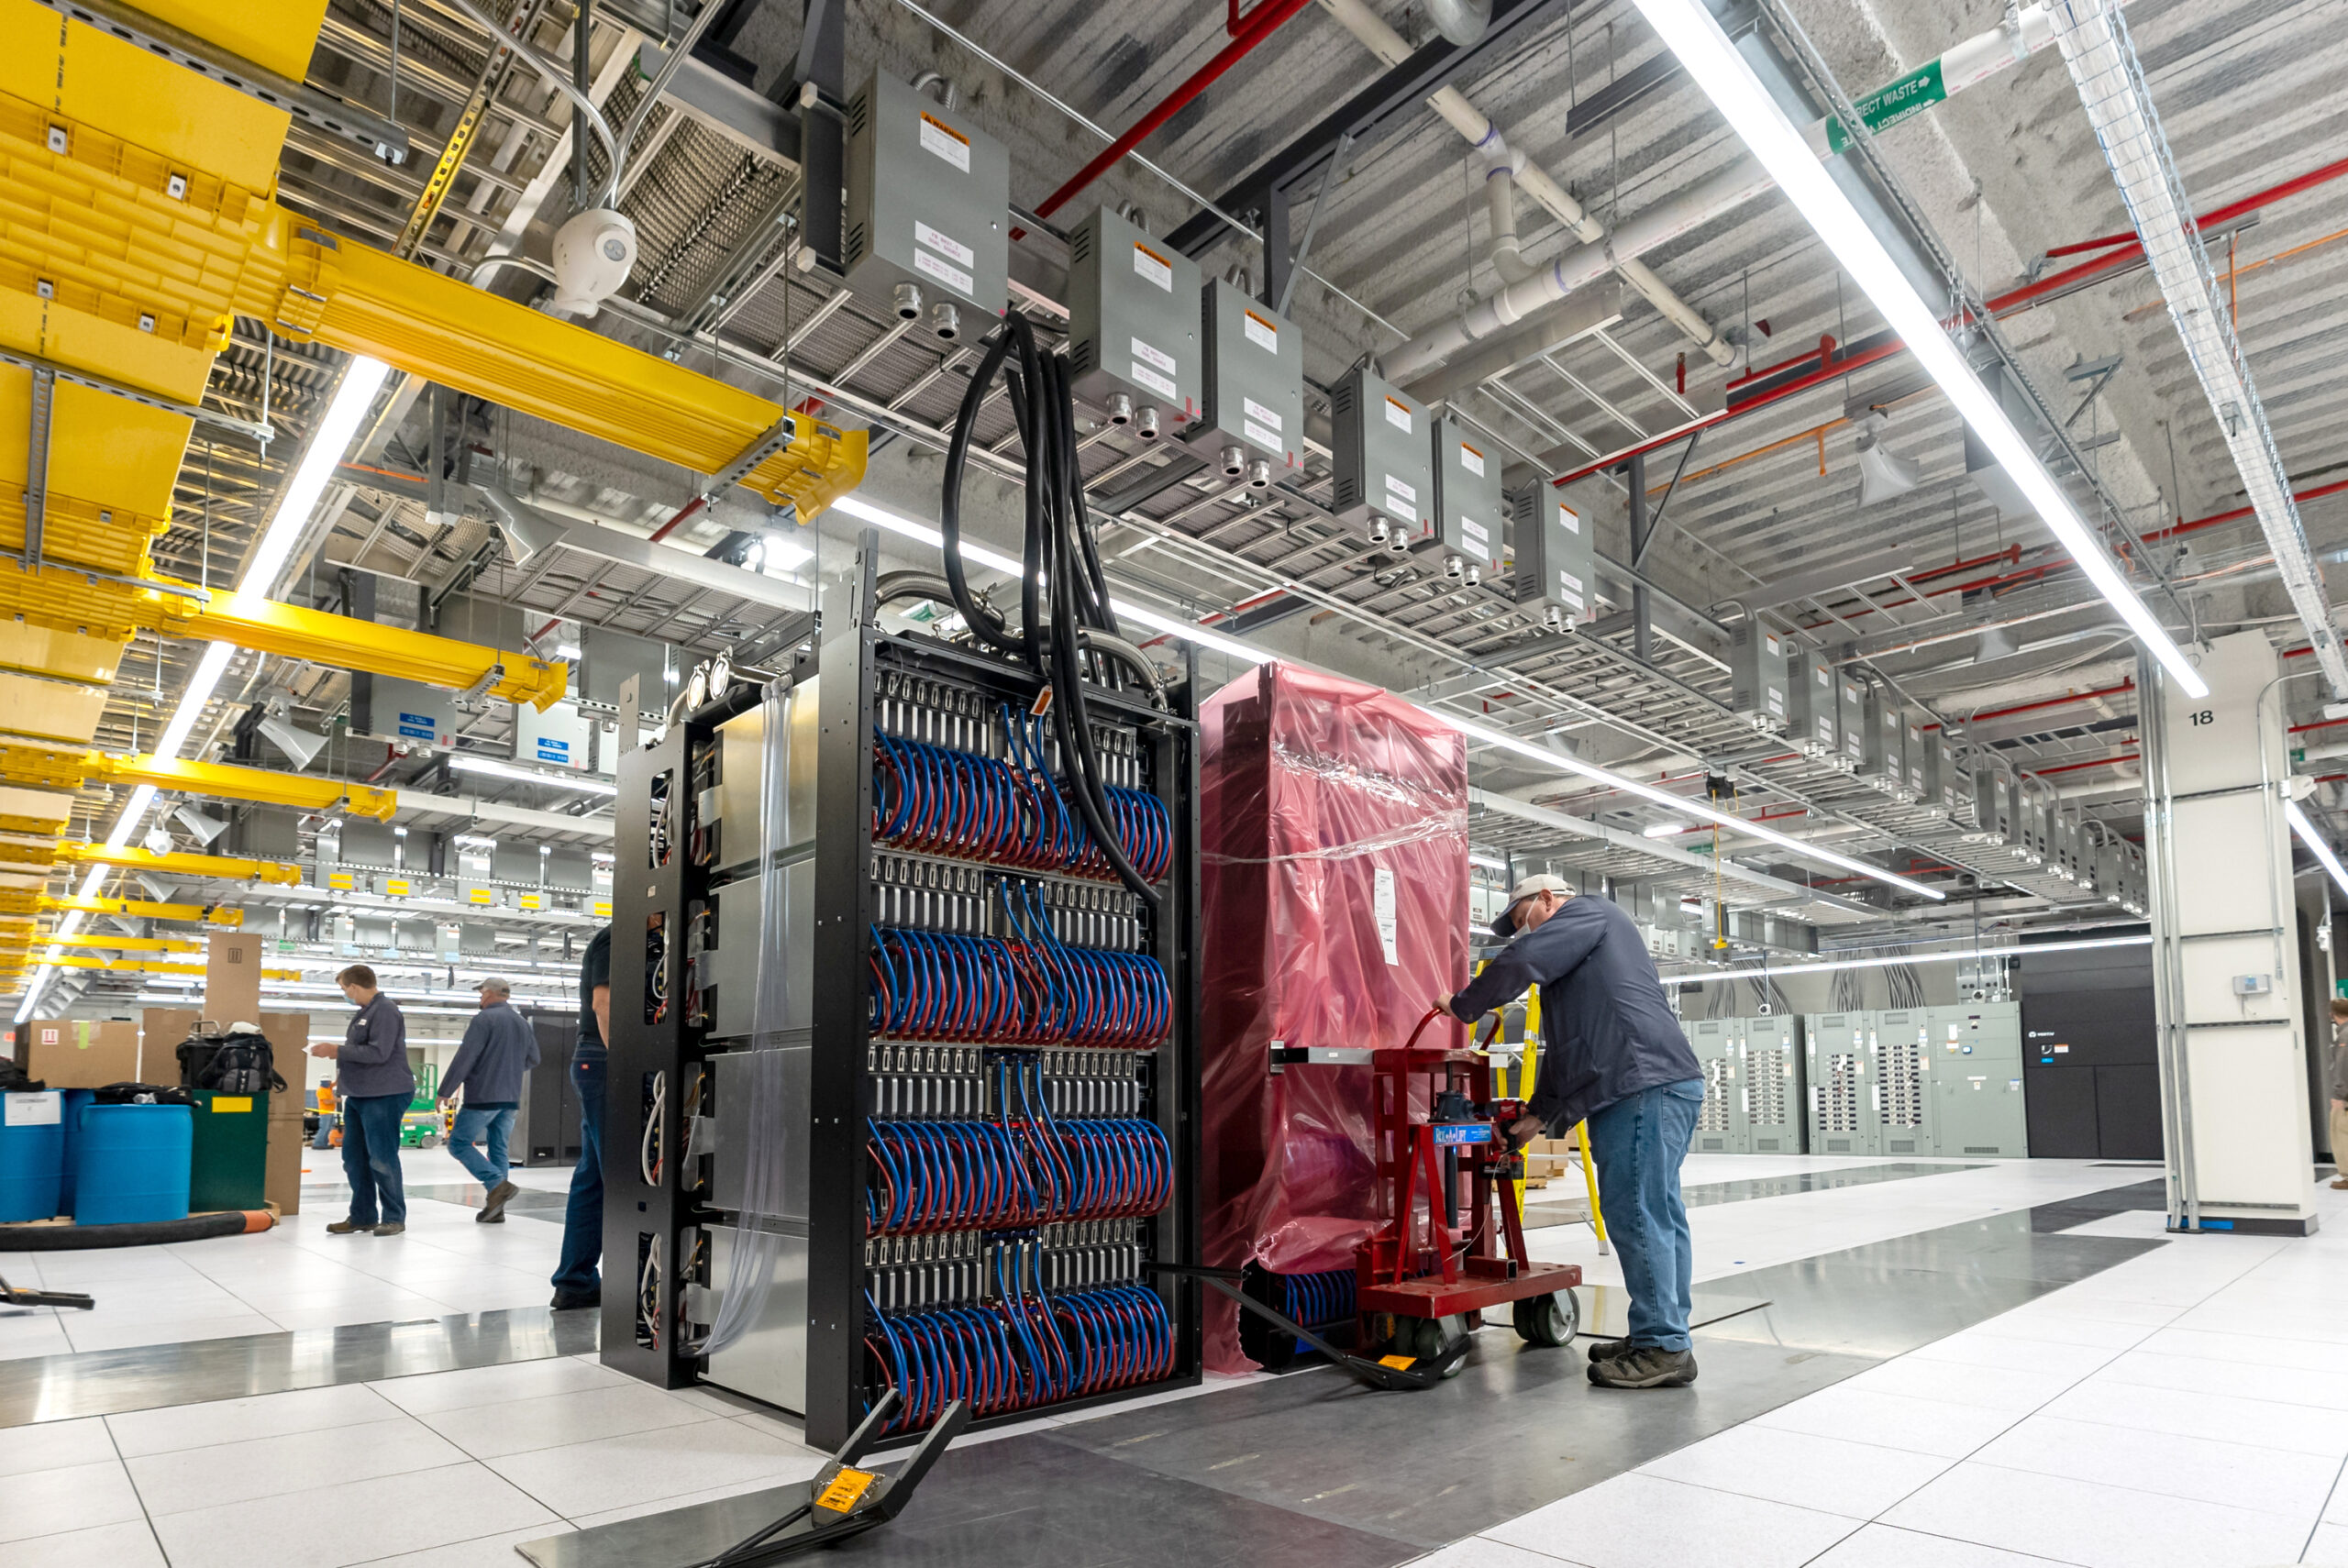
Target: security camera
(593, 253)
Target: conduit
(1973, 61)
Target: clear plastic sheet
(1335, 889)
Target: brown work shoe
(393, 1228)
(345, 1227)
(493, 1209)
(1645, 1367)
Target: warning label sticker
(1261, 333)
(942, 140)
(1382, 900)
(1149, 264)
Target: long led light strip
(2314, 841)
(1483, 735)
(361, 380)
(1706, 54)
(503, 770)
(1793, 966)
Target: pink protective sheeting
(1334, 887)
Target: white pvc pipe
(1968, 64)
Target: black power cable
(1058, 557)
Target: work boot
(1607, 1350)
(566, 1302)
(392, 1229)
(493, 1208)
(1645, 1367)
(486, 1218)
(345, 1227)
(2340, 1184)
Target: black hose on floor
(152, 1234)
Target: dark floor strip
(144, 1377)
(1314, 1471)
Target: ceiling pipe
(1478, 130)
(1969, 63)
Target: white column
(2225, 969)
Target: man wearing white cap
(1612, 1054)
(499, 1050)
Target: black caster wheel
(1550, 1321)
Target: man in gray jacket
(373, 1084)
(497, 1054)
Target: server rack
(855, 1258)
(1772, 1058)
(1719, 1044)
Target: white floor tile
(612, 1473)
(492, 1431)
(2005, 1389)
(2260, 1423)
(2274, 1380)
(1643, 1521)
(2270, 1480)
(1831, 1475)
(2095, 1526)
(487, 1551)
(669, 1504)
(436, 1391)
(1480, 1552)
(1891, 1420)
(2067, 1327)
(356, 1522)
(55, 1445)
(91, 1333)
(50, 1502)
(2043, 1358)
(130, 1544)
(174, 1426)
(190, 1478)
(1882, 1546)
(2328, 1546)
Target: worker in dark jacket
(1614, 1055)
(373, 1086)
(490, 1065)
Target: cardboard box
(82, 1053)
(232, 978)
(161, 1030)
(287, 1149)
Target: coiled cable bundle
(938, 985)
(1022, 1350)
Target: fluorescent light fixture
(1706, 54)
(1487, 862)
(781, 555)
(880, 517)
(523, 775)
(1793, 965)
(565, 650)
(2314, 841)
(1663, 830)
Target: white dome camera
(593, 253)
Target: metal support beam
(44, 410)
(1642, 623)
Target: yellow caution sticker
(232, 1104)
(1398, 1363)
(847, 1489)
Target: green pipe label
(1889, 105)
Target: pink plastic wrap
(1335, 888)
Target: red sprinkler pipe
(1259, 25)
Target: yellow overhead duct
(41, 768)
(225, 868)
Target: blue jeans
(1638, 1143)
(475, 1122)
(371, 1158)
(582, 1221)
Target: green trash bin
(229, 1165)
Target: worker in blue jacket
(1612, 1054)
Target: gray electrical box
(1850, 710)
(1756, 664)
(1904, 1080)
(1382, 452)
(1134, 348)
(1811, 713)
(1719, 1045)
(1993, 805)
(1254, 408)
(1977, 1102)
(1552, 557)
(1885, 763)
(1838, 1056)
(1468, 504)
(1954, 787)
(927, 197)
(556, 738)
(1771, 1051)
(1916, 742)
(400, 710)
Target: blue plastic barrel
(32, 1154)
(75, 1099)
(131, 1164)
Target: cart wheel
(1549, 1321)
(1448, 1332)
(1425, 1337)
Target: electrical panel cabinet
(1133, 349)
(1915, 743)
(1812, 715)
(1885, 763)
(396, 710)
(1720, 1123)
(1756, 664)
(1382, 453)
(1852, 716)
(1254, 409)
(1903, 1096)
(1468, 504)
(927, 192)
(852, 1084)
(1977, 1090)
(1772, 1058)
(555, 738)
(1553, 558)
(1838, 1056)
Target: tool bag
(240, 1061)
(141, 1094)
